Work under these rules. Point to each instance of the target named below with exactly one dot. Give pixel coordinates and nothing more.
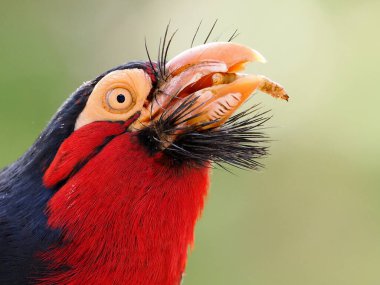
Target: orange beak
(208, 74)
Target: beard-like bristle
(239, 142)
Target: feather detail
(144, 239)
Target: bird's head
(185, 107)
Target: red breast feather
(126, 217)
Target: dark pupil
(120, 98)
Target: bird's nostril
(146, 103)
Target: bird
(111, 190)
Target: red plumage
(145, 238)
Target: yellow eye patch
(116, 97)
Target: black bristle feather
(233, 36)
(238, 142)
(210, 32)
(196, 33)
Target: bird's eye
(119, 100)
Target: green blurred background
(313, 215)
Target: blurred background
(312, 216)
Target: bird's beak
(210, 75)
